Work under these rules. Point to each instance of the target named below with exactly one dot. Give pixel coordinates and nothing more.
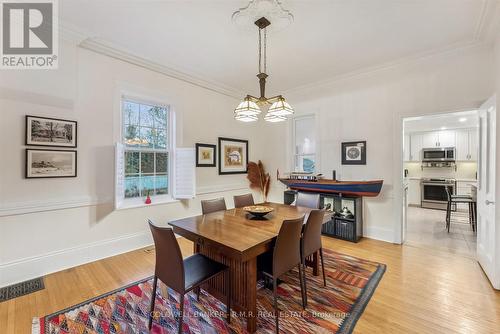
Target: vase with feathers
(259, 179)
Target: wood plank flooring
(423, 291)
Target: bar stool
(460, 199)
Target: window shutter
(185, 173)
(119, 175)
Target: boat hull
(361, 188)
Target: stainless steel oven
(438, 154)
(433, 192)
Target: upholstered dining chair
(307, 200)
(286, 256)
(243, 200)
(213, 205)
(311, 243)
(182, 275)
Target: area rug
(335, 309)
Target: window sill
(139, 202)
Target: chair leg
(322, 265)
(197, 291)
(301, 279)
(181, 313)
(305, 280)
(448, 216)
(153, 298)
(276, 310)
(228, 301)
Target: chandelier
(250, 108)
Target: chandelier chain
(260, 50)
(265, 50)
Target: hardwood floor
(423, 290)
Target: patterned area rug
(335, 309)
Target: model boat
(356, 188)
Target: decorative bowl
(258, 210)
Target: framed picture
(354, 153)
(50, 163)
(233, 156)
(43, 131)
(205, 155)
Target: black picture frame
(28, 175)
(213, 147)
(221, 154)
(28, 141)
(347, 147)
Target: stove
(433, 192)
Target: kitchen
(440, 153)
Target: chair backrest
(212, 205)
(243, 200)
(169, 267)
(286, 253)
(308, 200)
(311, 237)
(448, 194)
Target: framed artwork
(233, 156)
(50, 163)
(43, 131)
(354, 153)
(205, 155)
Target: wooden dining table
(235, 238)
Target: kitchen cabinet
(406, 148)
(466, 144)
(414, 192)
(415, 147)
(443, 138)
(464, 188)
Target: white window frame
(170, 150)
(294, 142)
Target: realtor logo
(29, 34)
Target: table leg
(251, 295)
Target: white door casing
(487, 242)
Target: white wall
(74, 220)
(371, 106)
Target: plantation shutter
(119, 175)
(185, 173)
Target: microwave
(438, 154)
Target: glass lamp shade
(274, 118)
(247, 108)
(245, 118)
(280, 108)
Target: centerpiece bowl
(258, 210)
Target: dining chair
(286, 256)
(181, 275)
(243, 200)
(310, 243)
(213, 205)
(307, 200)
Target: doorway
(440, 157)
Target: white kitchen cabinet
(446, 138)
(406, 148)
(415, 147)
(414, 192)
(430, 139)
(473, 144)
(466, 145)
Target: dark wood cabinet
(346, 228)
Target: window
(146, 148)
(304, 144)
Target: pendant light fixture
(250, 108)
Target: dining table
(236, 238)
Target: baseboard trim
(379, 233)
(36, 266)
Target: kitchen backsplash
(465, 170)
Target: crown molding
(407, 61)
(110, 50)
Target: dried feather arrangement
(258, 178)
